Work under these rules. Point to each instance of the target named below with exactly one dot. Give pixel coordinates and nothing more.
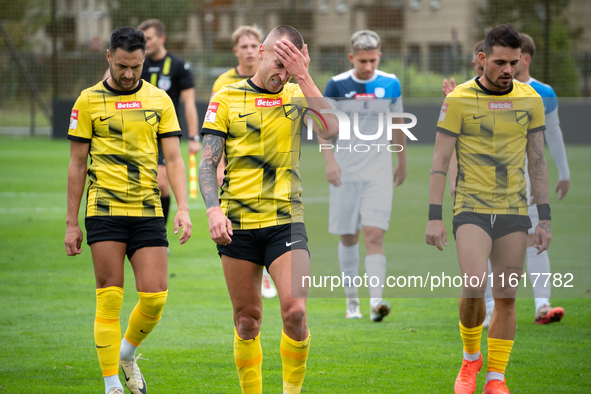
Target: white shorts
(532, 211)
(356, 204)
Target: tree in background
(173, 13)
(530, 16)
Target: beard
(498, 83)
(118, 82)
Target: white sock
(539, 264)
(112, 381)
(488, 295)
(349, 264)
(471, 357)
(375, 265)
(127, 350)
(490, 375)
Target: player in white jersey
(361, 182)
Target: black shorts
(264, 245)
(136, 232)
(496, 226)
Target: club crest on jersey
(291, 111)
(268, 102)
(128, 105)
(74, 119)
(164, 82)
(365, 96)
(212, 112)
(493, 105)
(521, 117)
(379, 92)
(151, 117)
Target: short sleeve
(185, 77)
(169, 123)
(450, 117)
(331, 89)
(396, 106)
(80, 120)
(538, 121)
(216, 118)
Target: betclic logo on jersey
(268, 103)
(128, 105)
(492, 105)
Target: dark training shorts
(264, 245)
(136, 232)
(496, 226)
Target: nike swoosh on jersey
(288, 244)
(244, 115)
(105, 118)
(478, 117)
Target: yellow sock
(145, 316)
(499, 351)
(471, 338)
(293, 356)
(107, 331)
(248, 356)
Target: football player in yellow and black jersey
(173, 75)
(259, 223)
(247, 40)
(492, 121)
(118, 123)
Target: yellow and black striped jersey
(122, 129)
(262, 132)
(491, 130)
(230, 76)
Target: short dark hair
(527, 44)
(157, 24)
(128, 39)
(291, 33)
(501, 35)
(478, 47)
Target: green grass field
(47, 299)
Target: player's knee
(152, 304)
(473, 291)
(248, 323)
(108, 302)
(295, 315)
(373, 239)
(505, 302)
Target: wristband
(195, 138)
(544, 211)
(435, 212)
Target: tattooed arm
(538, 176)
(220, 227)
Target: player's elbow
(331, 131)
